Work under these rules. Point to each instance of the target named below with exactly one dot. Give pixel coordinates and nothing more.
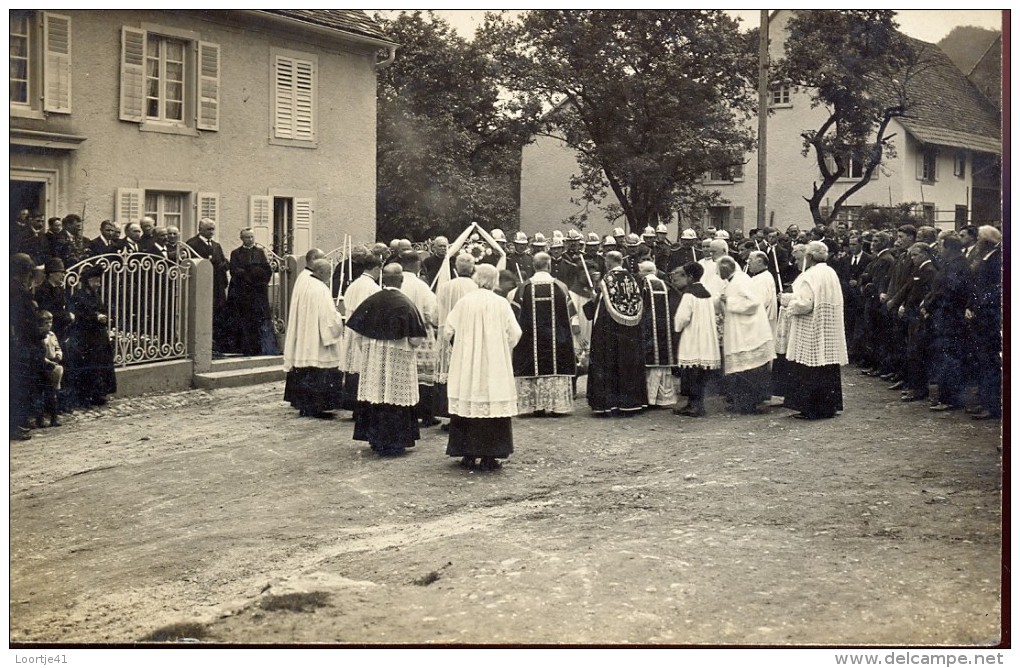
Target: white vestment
(747, 337)
(817, 335)
(712, 281)
(483, 330)
(313, 326)
(699, 344)
(425, 301)
(359, 290)
(765, 286)
(449, 294)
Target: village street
(882, 526)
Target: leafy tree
(650, 100)
(446, 155)
(859, 68)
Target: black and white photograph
(500, 329)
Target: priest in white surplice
(421, 295)
(482, 390)
(311, 351)
(390, 328)
(748, 345)
(360, 289)
(448, 294)
(764, 284)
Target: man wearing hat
(591, 251)
(538, 243)
(519, 260)
(632, 246)
(661, 247)
(560, 268)
(51, 296)
(684, 252)
(619, 235)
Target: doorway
(283, 225)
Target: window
(169, 80)
(181, 207)
(928, 213)
(960, 164)
(960, 216)
(927, 164)
(294, 86)
(853, 166)
(780, 97)
(726, 174)
(166, 208)
(40, 63)
(164, 79)
(283, 220)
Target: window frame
(32, 60)
(200, 88)
(162, 100)
(784, 94)
(47, 65)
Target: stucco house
(948, 152)
(255, 118)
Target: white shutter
(128, 207)
(304, 215)
(294, 83)
(920, 162)
(260, 218)
(208, 86)
(132, 75)
(57, 64)
(209, 206)
(283, 112)
(304, 101)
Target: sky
(924, 24)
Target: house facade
(947, 157)
(255, 118)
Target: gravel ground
(224, 518)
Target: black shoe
(985, 415)
(911, 397)
(322, 415)
(445, 427)
(20, 434)
(468, 463)
(429, 422)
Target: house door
(283, 225)
(29, 195)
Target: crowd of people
(765, 321)
(61, 340)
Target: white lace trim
(482, 409)
(699, 364)
(749, 359)
(545, 393)
(818, 338)
(389, 374)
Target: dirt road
(882, 526)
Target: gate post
(200, 315)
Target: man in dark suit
(906, 304)
(985, 315)
(108, 241)
(849, 269)
(208, 249)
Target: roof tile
(354, 21)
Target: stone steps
(240, 371)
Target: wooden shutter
(132, 75)
(208, 86)
(294, 83)
(737, 217)
(304, 213)
(57, 63)
(128, 207)
(260, 218)
(209, 206)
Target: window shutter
(304, 101)
(208, 86)
(283, 114)
(209, 206)
(260, 218)
(294, 112)
(920, 163)
(57, 64)
(132, 75)
(129, 205)
(304, 213)
(737, 217)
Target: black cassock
(546, 347)
(89, 353)
(616, 373)
(658, 338)
(249, 315)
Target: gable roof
(353, 21)
(947, 108)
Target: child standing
(52, 371)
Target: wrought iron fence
(279, 294)
(146, 301)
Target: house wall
(547, 164)
(237, 161)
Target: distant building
(948, 152)
(255, 118)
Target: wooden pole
(763, 109)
